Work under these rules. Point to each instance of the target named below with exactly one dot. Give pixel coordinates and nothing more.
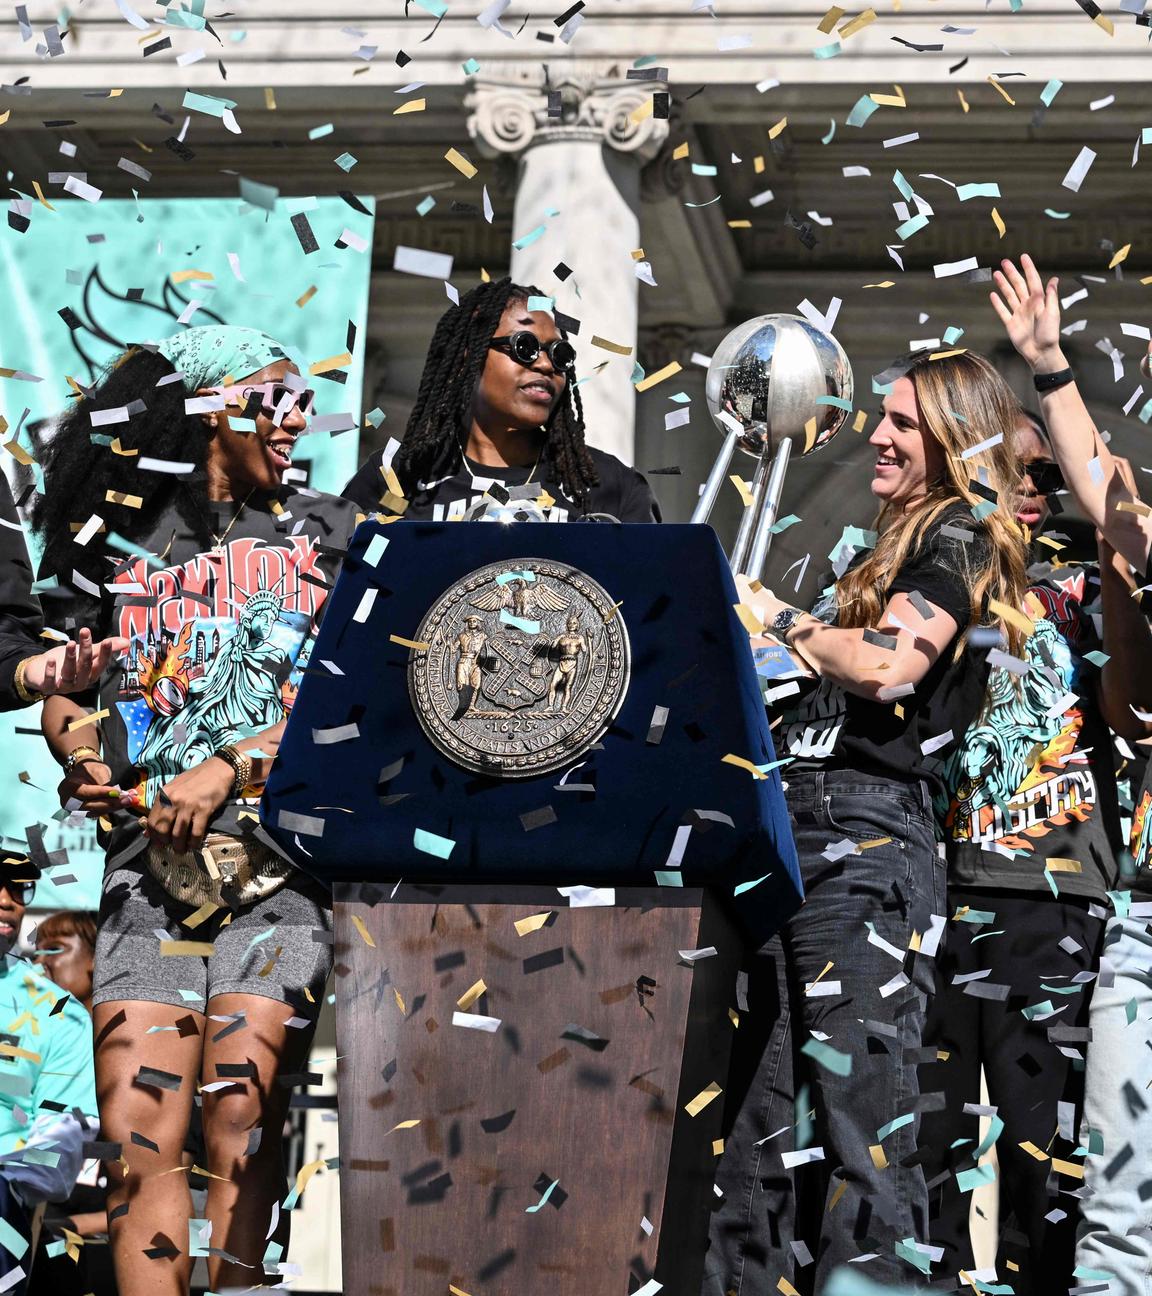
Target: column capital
(512, 116)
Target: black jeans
(1015, 962)
(865, 914)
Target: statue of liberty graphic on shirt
(191, 704)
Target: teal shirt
(44, 1057)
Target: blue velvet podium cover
(360, 793)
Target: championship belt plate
(520, 668)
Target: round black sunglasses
(525, 347)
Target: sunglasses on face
(21, 892)
(1047, 477)
(267, 398)
(525, 347)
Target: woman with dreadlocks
(498, 414)
(225, 576)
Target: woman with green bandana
(213, 952)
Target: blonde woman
(819, 1167)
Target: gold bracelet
(78, 755)
(23, 692)
(241, 767)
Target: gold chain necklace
(468, 467)
(219, 539)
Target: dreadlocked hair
(971, 412)
(82, 471)
(443, 410)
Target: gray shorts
(291, 928)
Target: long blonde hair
(963, 402)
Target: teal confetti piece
(1050, 91)
(637, 372)
(805, 1122)
(506, 578)
(981, 510)
(1055, 214)
(1061, 990)
(863, 108)
(182, 18)
(893, 1125)
(703, 169)
(531, 1210)
(913, 225)
(908, 1250)
(375, 550)
(528, 239)
(1130, 1012)
(669, 878)
(747, 886)
(903, 185)
(827, 139)
(190, 996)
(968, 1180)
(318, 132)
(431, 844)
(117, 541)
(995, 1129)
(704, 204)
(838, 401)
(425, 205)
(1097, 658)
(951, 335)
(979, 916)
(345, 161)
(437, 8)
(259, 938)
(196, 1227)
(827, 51)
(1121, 902)
(966, 191)
(1044, 1009)
(237, 36)
(882, 389)
(258, 195)
(519, 623)
(471, 67)
(207, 103)
(541, 304)
(783, 525)
(11, 1240)
(647, 60)
(1146, 135)
(1145, 412)
(1093, 1275)
(829, 1058)
(1050, 878)
(681, 398)
(376, 416)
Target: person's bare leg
(250, 1183)
(149, 1204)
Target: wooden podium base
(552, 1153)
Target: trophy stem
(716, 478)
(750, 551)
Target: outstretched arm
(1030, 313)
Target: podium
(533, 764)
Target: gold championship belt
(523, 665)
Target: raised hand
(1030, 312)
(73, 666)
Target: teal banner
(83, 281)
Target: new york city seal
(526, 665)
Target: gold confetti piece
(202, 914)
(879, 1160)
(1069, 1168)
(638, 114)
(888, 283)
(717, 1147)
(748, 619)
(365, 934)
(333, 362)
(1013, 616)
(35, 183)
(94, 718)
(810, 434)
(734, 1017)
(758, 164)
(1105, 24)
(915, 943)
(998, 221)
(524, 926)
(186, 949)
(615, 347)
(118, 449)
(4, 118)
(830, 19)
(947, 355)
(10, 1050)
(460, 162)
(856, 24)
(1133, 506)
(455, 1291)
(859, 422)
(266, 970)
(876, 841)
(963, 102)
(827, 968)
(269, 98)
(841, 1189)
(680, 151)
(658, 377)
(305, 1174)
(638, 254)
(413, 105)
(185, 276)
(400, 1001)
(469, 997)
(775, 130)
(1033, 1151)
(415, 644)
(119, 497)
(607, 616)
(545, 500)
(739, 224)
(1120, 256)
(703, 1098)
(742, 486)
(17, 451)
(896, 100)
(1057, 865)
(741, 763)
(306, 296)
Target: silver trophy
(773, 382)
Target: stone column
(579, 179)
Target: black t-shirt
(20, 617)
(622, 493)
(1031, 799)
(219, 640)
(909, 737)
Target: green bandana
(209, 354)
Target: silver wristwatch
(784, 621)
